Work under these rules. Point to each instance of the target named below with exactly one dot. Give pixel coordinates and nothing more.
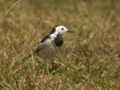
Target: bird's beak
(70, 31)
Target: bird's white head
(59, 30)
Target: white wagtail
(48, 45)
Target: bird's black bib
(59, 40)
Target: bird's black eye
(62, 28)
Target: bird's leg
(46, 64)
(52, 64)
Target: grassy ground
(91, 58)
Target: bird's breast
(59, 40)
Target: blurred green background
(91, 55)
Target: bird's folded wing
(43, 47)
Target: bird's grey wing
(39, 48)
(44, 50)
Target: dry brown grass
(91, 54)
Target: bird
(49, 45)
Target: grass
(90, 60)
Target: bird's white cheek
(63, 31)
